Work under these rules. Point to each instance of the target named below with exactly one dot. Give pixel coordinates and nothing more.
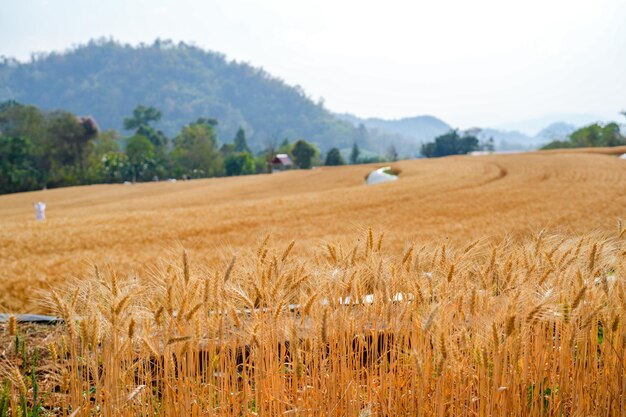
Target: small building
(281, 162)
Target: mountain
(556, 131)
(514, 140)
(409, 133)
(108, 80)
(420, 127)
(406, 134)
(533, 127)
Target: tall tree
(334, 158)
(71, 136)
(29, 123)
(142, 116)
(240, 142)
(304, 153)
(140, 153)
(20, 120)
(354, 155)
(195, 151)
(17, 165)
(141, 122)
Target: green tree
(304, 154)
(334, 158)
(29, 124)
(239, 163)
(105, 143)
(354, 155)
(195, 151)
(598, 135)
(558, 144)
(70, 138)
(61, 144)
(261, 163)
(371, 159)
(450, 143)
(592, 135)
(142, 116)
(114, 167)
(140, 153)
(227, 149)
(17, 165)
(240, 143)
(141, 122)
(108, 141)
(18, 120)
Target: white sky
(469, 62)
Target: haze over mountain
(420, 129)
(107, 79)
(534, 127)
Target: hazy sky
(470, 62)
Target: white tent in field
(622, 156)
(380, 176)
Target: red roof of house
(282, 158)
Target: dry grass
(461, 308)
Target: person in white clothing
(40, 210)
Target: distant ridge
(406, 134)
(419, 129)
(534, 127)
(108, 79)
(428, 127)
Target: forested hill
(108, 80)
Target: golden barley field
(472, 286)
(457, 199)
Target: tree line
(41, 149)
(593, 135)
